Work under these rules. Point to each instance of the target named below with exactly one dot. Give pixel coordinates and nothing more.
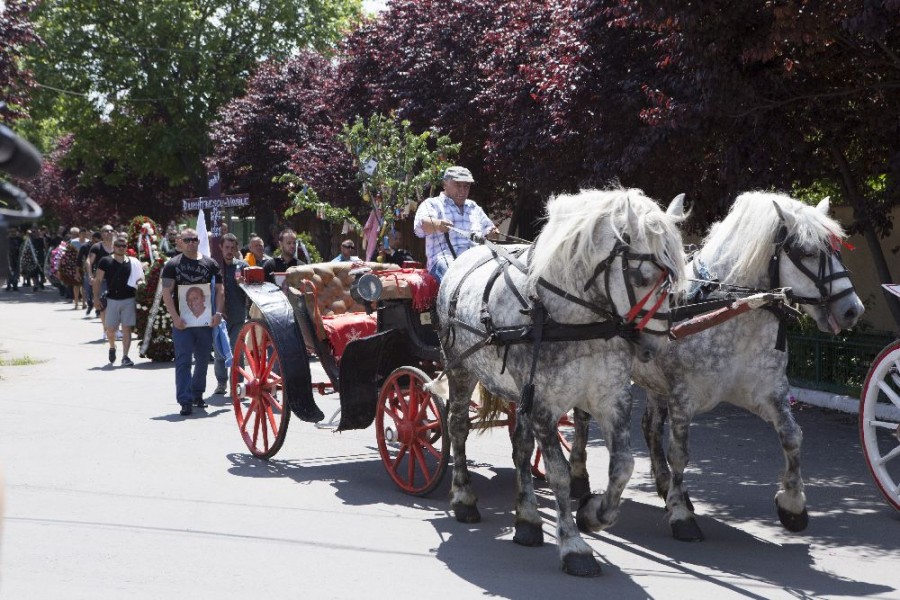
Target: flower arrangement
(142, 237)
(154, 324)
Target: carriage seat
(337, 317)
(331, 285)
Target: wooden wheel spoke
(273, 402)
(245, 417)
(890, 455)
(395, 464)
(257, 420)
(889, 392)
(430, 447)
(419, 459)
(411, 465)
(389, 411)
(265, 429)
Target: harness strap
(527, 399)
(599, 310)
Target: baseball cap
(458, 174)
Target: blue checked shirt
(471, 218)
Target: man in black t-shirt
(121, 278)
(182, 272)
(85, 270)
(287, 241)
(102, 248)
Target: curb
(842, 403)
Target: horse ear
(824, 205)
(676, 207)
(786, 217)
(632, 217)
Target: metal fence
(833, 364)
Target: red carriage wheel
(878, 426)
(411, 427)
(257, 391)
(564, 432)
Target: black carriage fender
(279, 316)
(365, 365)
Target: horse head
(772, 241)
(620, 254)
(809, 262)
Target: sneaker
(112, 355)
(199, 403)
(126, 362)
(87, 313)
(220, 389)
(186, 410)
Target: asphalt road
(111, 494)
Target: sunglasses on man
(351, 246)
(190, 240)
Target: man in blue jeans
(188, 270)
(235, 304)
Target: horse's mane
(743, 241)
(571, 243)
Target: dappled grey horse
(767, 241)
(558, 325)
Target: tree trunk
(858, 202)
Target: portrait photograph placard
(194, 304)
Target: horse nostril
(850, 315)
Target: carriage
(590, 311)
(370, 327)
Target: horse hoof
(792, 522)
(579, 487)
(686, 530)
(528, 534)
(581, 565)
(466, 513)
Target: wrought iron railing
(833, 363)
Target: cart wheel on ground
(257, 390)
(881, 436)
(411, 427)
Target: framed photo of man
(194, 304)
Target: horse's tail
(490, 408)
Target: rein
(777, 298)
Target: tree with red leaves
(781, 94)
(285, 124)
(16, 32)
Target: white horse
(565, 330)
(766, 241)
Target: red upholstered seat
(347, 327)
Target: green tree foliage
(138, 83)
(396, 166)
(421, 61)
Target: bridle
(637, 317)
(823, 280)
